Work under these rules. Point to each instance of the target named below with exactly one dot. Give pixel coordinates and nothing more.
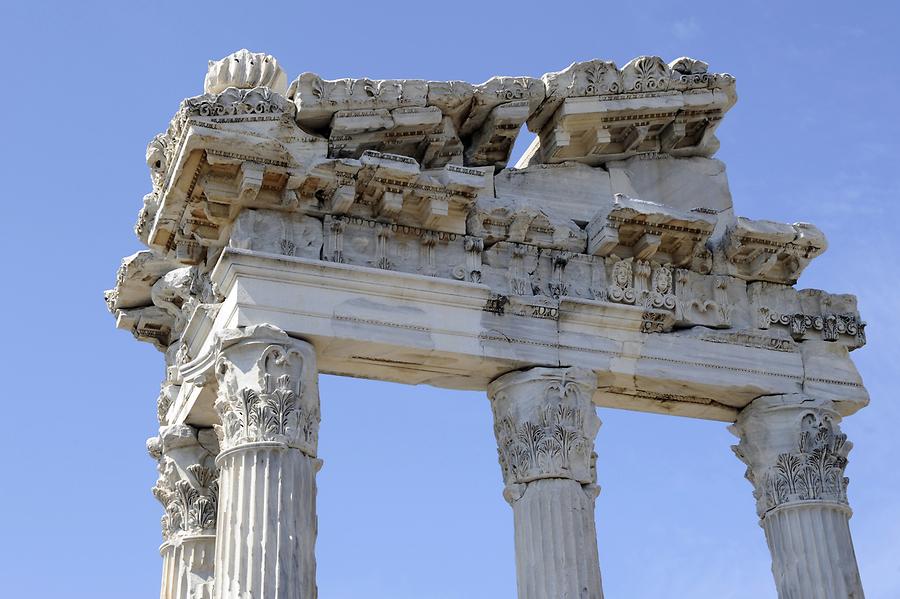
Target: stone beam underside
(416, 329)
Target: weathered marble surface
(595, 112)
(188, 489)
(634, 265)
(375, 229)
(796, 455)
(545, 425)
(268, 403)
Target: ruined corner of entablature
(820, 322)
(237, 145)
(763, 250)
(155, 298)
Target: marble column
(268, 401)
(795, 455)
(545, 424)
(187, 487)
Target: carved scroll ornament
(267, 392)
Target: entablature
(426, 330)
(258, 190)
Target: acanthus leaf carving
(545, 424)
(265, 391)
(238, 102)
(244, 69)
(187, 486)
(808, 467)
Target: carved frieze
(713, 301)
(807, 314)
(640, 283)
(234, 167)
(365, 242)
(509, 268)
(288, 234)
(267, 389)
(230, 102)
(545, 424)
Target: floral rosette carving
(236, 102)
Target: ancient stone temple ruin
(375, 229)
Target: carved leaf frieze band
(831, 326)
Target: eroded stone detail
(595, 112)
(545, 425)
(769, 251)
(264, 391)
(245, 70)
(794, 452)
(386, 205)
(187, 486)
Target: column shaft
(267, 527)
(268, 401)
(188, 565)
(545, 424)
(812, 552)
(556, 541)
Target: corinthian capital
(545, 424)
(187, 486)
(268, 389)
(794, 451)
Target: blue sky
(410, 499)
